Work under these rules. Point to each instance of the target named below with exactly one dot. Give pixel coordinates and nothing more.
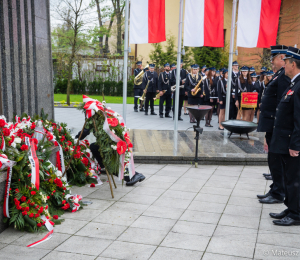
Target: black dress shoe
(266, 174)
(168, 116)
(287, 221)
(142, 177)
(153, 113)
(146, 113)
(142, 110)
(180, 119)
(161, 116)
(268, 178)
(263, 196)
(279, 215)
(136, 178)
(270, 200)
(135, 110)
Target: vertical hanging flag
(147, 21)
(258, 23)
(204, 23)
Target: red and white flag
(147, 21)
(204, 23)
(258, 23)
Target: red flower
(69, 143)
(6, 132)
(47, 217)
(35, 141)
(54, 191)
(64, 188)
(41, 210)
(24, 213)
(29, 175)
(27, 208)
(56, 143)
(88, 154)
(113, 121)
(55, 217)
(48, 197)
(63, 202)
(33, 193)
(23, 198)
(32, 204)
(92, 185)
(122, 124)
(77, 156)
(2, 123)
(85, 161)
(130, 145)
(31, 215)
(121, 147)
(28, 201)
(66, 149)
(37, 207)
(18, 207)
(32, 126)
(36, 215)
(63, 138)
(24, 147)
(39, 224)
(46, 207)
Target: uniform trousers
(276, 166)
(137, 92)
(168, 99)
(292, 185)
(181, 100)
(149, 98)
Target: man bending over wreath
(113, 148)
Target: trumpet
(197, 88)
(138, 80)
(158, 95)
(173, 88)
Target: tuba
(138, 80)
(197, 88)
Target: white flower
(58, 173)
(123, 133)
(115, 114)
(76, 200)
(108, 108)
(114, 147)
(103, 102)
(3, 117)
(18, 140)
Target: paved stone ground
(178, 212)
(75, 119)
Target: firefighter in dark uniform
(138, 91)
(286, 140)
(235, 74)
(270, 99)
(183, 74)
(151, 77)
(164, 87)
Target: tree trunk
(106, 47)
(119, 28)
(100, 26)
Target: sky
(91, 17)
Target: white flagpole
(178, 78)
(125, 60)
(228, 95)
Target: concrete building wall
(25, 58)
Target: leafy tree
(159, 56)
(210, 56)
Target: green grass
(108, 99)
(78, 98)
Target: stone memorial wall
(25, 58)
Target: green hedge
(110, 88)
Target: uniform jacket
(136, 72)
(270, 99)
(222, 88)
(153, 84)
(191, 83)
(210, 90)
(286, 129)
(242, 87)
(183, 74)
(165, 82)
